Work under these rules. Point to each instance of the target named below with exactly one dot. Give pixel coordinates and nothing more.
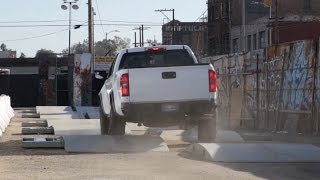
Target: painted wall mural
(283, 79)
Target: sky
(112, 13)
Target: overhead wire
(100, 17)
(34, 37)
(201, 15)
(65, 25)
(38, 36)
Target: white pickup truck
(159, 86)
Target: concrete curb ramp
(6, 113)
(223, 136)
(256, 153)
(114, 144)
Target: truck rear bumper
(167, 109)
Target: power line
(100, 17)
(45, 21)
(65, 25)
(39, 36)
(101, 20)
(201, 15)
(34, 37)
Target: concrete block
(30, 115)
(32, 143)
(256, 153)
(42, 123)
(114, 144)
(37, 130)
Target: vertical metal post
(230, 27)
(314, 91)
(142, 35)
(278, 120)
(229, 92)
(243, 28)
(70, 3)
(257, 124)
(56, 69)
(276, 33)
(267, 93)
(135, 39)
(173, 27)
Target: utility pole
(173, 22)
(135, 39)
(91, 51)
(141, 34)
(90, 25)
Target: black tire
(104, 122)
(207, 128)
(117, 124)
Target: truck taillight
(212, 81)
(124, 84)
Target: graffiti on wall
(282, 79)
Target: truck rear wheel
(117, 124)
(207, 128)
(104, 122)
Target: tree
(22, 55)
(3, 47)
(101, 47)
(78, 48)
(44, 52)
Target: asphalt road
(18, 163)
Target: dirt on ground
(18, 163)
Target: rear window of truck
(156, 59)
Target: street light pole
(107, 37)
(72, 5)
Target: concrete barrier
(256, 152)
(6, 113)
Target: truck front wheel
(207, 127)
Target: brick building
(298, 19)
(193, 34)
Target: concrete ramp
(223, 136)
(256, 153)
(58, 112)
(77, 127)
(114, 144)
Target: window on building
(307, 5)
(236, 45)
(217, 11)
(262, 39)
(249, 38)
(254, 41)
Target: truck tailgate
(169, 84)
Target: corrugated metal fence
(277, 88)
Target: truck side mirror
(98, 76)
